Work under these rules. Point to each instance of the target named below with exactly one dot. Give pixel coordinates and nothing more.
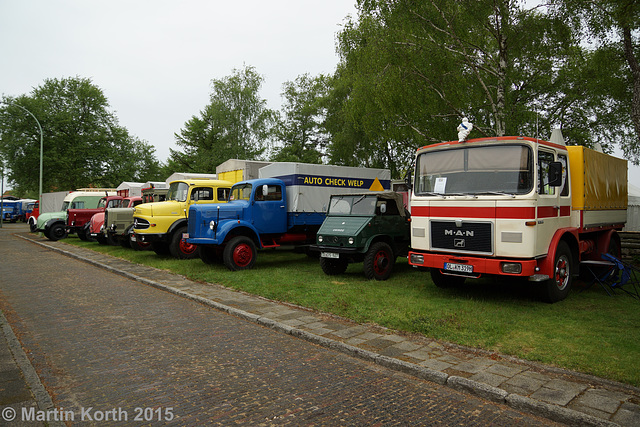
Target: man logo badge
(458, 243)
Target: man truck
(515, 207)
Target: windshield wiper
(498, 193)
(361, 198)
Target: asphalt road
(108, 348)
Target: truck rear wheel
(379, 261)
(557, 287)
(180, 248)
(57, 232)
(333, 266)
(239, 253)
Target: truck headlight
(320, 239)
(212, 225)
(417, 259)
(351, 240)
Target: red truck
(78, 219)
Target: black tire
(379, 261)
(333, 266)
(102, 240)
(140, 246)
(210, 254)
(83, 234)
(123, 241)
(160, 248)
(179, 247)
(444, 280)
(111, 240)
(239, 254)
(57, 232)
(33, 226)
(557, 287)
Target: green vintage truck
(372, 228)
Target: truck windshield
(240, 192)
(495, 169)
(353, 205)
(178, 191)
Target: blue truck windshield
(240, 192)
(495, 169)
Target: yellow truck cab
(162, 224)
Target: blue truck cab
(255, 217)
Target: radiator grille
(464, 237)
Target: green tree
(300, 132)
(235, 125)
(83, 143)
(411, 70)
(609, 75)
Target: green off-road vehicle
(372, 228)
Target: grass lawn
(588, 332)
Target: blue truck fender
(237, 228)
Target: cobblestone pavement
(104, 345)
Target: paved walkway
(560, 395)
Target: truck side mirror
(408, 178)
(383, 208)
(555, 174)
(265, 190)
(195, 196)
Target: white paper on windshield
(441, 185)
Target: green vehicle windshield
(357, 205)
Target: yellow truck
(162, 224)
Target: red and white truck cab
(515, 206)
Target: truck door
(554, 203)
(269, 210)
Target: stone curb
(40, 394)
(494, 394)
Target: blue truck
(285, 206)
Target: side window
(137, 202)
(544, 160)
(223, 194)
(204, 193)
(565, 176)
(274, 194)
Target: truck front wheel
(379, 261)
(333, 266)
(180, 248)
(445, 280)
(239, 253)
(558, 286)
(57, 232)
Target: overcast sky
(155, 59)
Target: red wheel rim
(381, 263)
(562, 273)
(242, 255)
(187, 248)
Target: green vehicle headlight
(351, 240)
(320, 239)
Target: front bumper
(478, 266)
(335, 249)
(150, 238)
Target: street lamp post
(41, 145)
